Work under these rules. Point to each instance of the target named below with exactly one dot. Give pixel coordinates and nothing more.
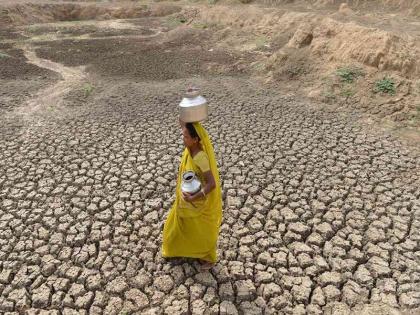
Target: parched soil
(20, 80)
(14, 66)
(321, 210)
(138, 58)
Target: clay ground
(321, 210)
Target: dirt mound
(345, 63)
(29, 13)
(329, 39)
(410, 7)
(338, 42)
(316, 53)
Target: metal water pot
(193, 107)
(190, 183)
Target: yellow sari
(192, 229)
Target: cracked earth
(321, 213)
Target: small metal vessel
(190, 183)
(193, 106)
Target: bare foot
(205, 265)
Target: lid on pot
(192, 98)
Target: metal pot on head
(193, 107)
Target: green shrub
(3, 55)
(261, 41)
(418, 111)
(294, 71)
(88, 89)
(329, 96)
(201, 26)
(415, 118)
(347, 93)
(258, 66)
(348, 75)
(174, 22)
(386, 85)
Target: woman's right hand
(187, 196)
(190, 198)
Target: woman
(192, 226)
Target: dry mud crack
(321, 215)
(52, 96)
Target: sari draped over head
(192, 229)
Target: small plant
(202, 26)
(3, 55)
(88, 89)
(260, 42)
(418, 111)
(329, 96)
(348, 75)
(417, 87)
(258, 66)
(347, 92)
(174, 22)
(294, 71)
(415, 118)
(386, 85)
(32, 28)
